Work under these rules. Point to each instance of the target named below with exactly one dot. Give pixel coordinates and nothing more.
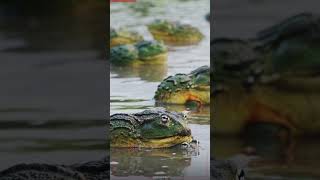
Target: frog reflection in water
(148, 72)
(141, 162)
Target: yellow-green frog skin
(154, 128)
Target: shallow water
(132, 90)
(53, 85)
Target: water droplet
(114, 163)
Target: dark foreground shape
(94, 170)
(230, 169)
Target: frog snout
(185, 132)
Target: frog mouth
(183, 136)
(168, 141)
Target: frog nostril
(185, 132)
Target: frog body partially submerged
(184, 88)
(123, 36)
(144, 52)
(156, 128)
(174, 33)
(87, 171)
(271, 79)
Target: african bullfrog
(185, 88)
(175, 33)
(123, 36)
(144, 52)
(154, 128)
(272, 78)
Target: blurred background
(279, 157)
(54, 81)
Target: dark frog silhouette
(273, 78)
(87, 171)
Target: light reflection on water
(132, 90)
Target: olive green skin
(272, 78)
(174, 33)
(184, 88)
(144, 52)
(155, 128)
(123, 36)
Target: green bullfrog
(123, 36)
(185, 88)
(144, 52)
(272, 78)
(175, 33)
(153, 128)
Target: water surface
(53, 85)
(132, 90)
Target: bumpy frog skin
(174, 33)
(122, 37)
(270, 79)
(156, 128)
(87, 171)
(144, 52)
(184, 88)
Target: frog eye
(164, 118)
(185, 116)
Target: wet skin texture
(174, 33)
(122, 37)
(271, 79)
(185, 88)
(144, 52)
(156, 128)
